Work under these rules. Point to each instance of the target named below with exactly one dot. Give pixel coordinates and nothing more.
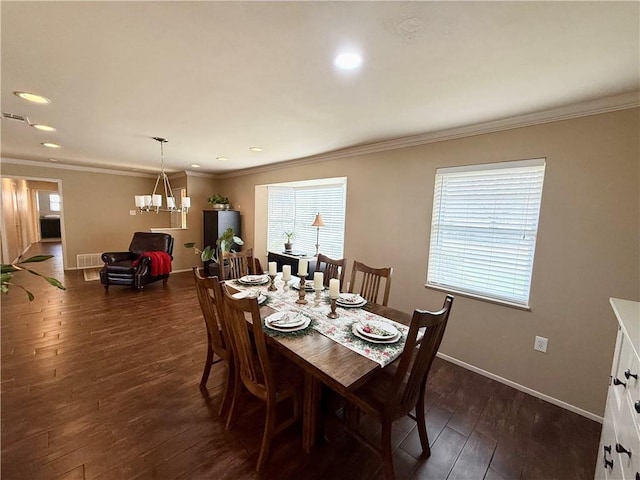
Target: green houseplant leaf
(7, 271)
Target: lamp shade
(318, 222)
(186, 202)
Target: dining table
(326, 352)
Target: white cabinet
(619, 451)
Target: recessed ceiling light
(195, 165)
(348, 61)
(222, 159)
(255, 149)
(32, 97)
(51, 145)
(46, 128)
(54, 160)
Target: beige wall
(587, 250)
(588, 244)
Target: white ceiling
(216, 78)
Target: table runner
(338, 329)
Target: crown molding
(584, 109)
(567, 112)
(191, 173)
(77, 168)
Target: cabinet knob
(628, 374)
(617, 381)
(621, 449)
(637, 407)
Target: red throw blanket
(160, 262)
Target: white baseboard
(181, 271)
(522, 388)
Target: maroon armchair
(127, 268)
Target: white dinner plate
(351, 305)
(350, 298)
(393, 339)
(380, 330)
(254, 279)
(248, 293)
(287, 321)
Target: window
(484, 227)
(293, 207)
(54, 202)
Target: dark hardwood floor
(105, 385)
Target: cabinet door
(607, 450)
(216, 222)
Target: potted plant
(225, 243)
(219, 202)
(288, 245)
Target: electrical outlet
(541, 344)
(132, 212)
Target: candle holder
(272, 287)
(332, 313)
(301, 293)
(316, 300)
(285, 287)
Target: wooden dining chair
(239, 263)
(264, 374)
(332, 268)
(258, 270)
(218, 345)
(370, 282)
(393, 393)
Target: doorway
(22, 215)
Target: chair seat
(124, 266)
(371, 397)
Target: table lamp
(318, 223)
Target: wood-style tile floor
(105, 385)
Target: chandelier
(153, 202)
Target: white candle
(286, 272)
(318, 278)
(302, 267)
(334, 288)
(273, 268)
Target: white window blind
(293, 209)
(484, 227)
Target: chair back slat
(417, 357)
(332, 268)
(367, 281)
(239, 263)
(210, 298)
(250, 351)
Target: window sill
(503, 303)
